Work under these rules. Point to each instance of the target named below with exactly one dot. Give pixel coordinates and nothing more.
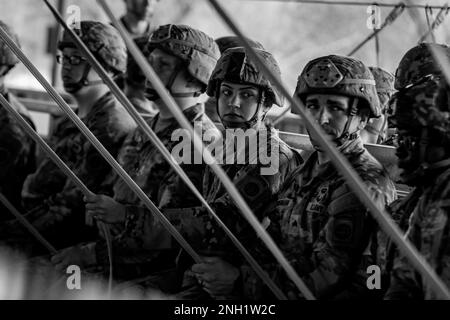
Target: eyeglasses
(72, 60)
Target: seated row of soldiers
(307, 207)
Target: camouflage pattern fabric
(199, 51)
(417, 63)
(228, 42)
(342, 76)
(324, 230)
(201, 230)
(17, 155)
(104, 41)
(237, 67)
(135, 251)
(429, 226)
(385, 88)
(59, 214)
(423, 110)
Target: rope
(391, 17)
(440, 17)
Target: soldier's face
(73, 66)
(164, 65)
(331, 112)
(237, 102)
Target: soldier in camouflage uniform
(244, 96)
(377, 129)
(422, 118)
(17, 150)
(183, 58)
(324, 230)
(57, 208)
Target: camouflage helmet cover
(7, 57)
(417, 63)
(104, 41)
(198, 50)
(236, 66)
(225, 43)
(342, 76)
(384, 81)
(425, 104)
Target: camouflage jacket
(429, 230)
(17, 155)
(201, 230)
(153, 174)
(60, 208)
(324, 230)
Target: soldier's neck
(87, 99)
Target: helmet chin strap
(243, 125)
(83, 82)
(153, 95)
(345, 136)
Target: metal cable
(208, 158)
(344, 167)
(163, 150)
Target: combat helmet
(341, 76)
(106, 44)
(384, 82)
(197, 51)
(417, 63)
(229, 42)
(236, 66)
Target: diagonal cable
(350, 175)
(392, 16)
(208, 158)
(162, 149)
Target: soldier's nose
(324, 117)
(235, 101)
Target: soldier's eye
(312, 106)
(247, 95)
(225, 92)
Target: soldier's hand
(105, 209)
(216, 276)
(81, 256)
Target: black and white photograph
(225, 156)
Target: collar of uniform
(312, 172)
(101, 104)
